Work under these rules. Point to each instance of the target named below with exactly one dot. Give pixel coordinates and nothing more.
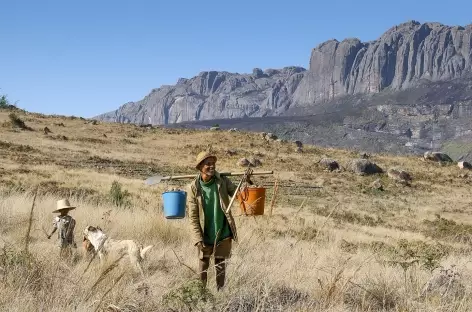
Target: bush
(16, 122)
(4, 102)
(118, 196)
(446, 229)
(188, 297)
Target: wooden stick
(274, 195)
(236, 192)
(181, 263)
(227, 174)
(30, 221)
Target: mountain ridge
(404, 56)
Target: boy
(65, 226)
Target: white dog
(104, 245)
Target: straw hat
(63, 204)
(201, 157)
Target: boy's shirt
(65, 230)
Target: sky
(84, 58)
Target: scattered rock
(329, 164)
(437, 156)
(214, 128)
(269, 136)
(364, 155)
(251, 162)
(464, 165)
(399, 175)
(363, 167)
(255, 162)
(258, 154)
(230, 152)
(104, 135)
(46, 130)
(94, 122)
(377, 185)
(243, 162)
(445, 283)
(61, 124)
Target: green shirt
(215, 220)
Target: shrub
(16, 122)
(188, 297)
(118, 196)
(4, 103)
(446, 229)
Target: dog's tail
(145, 250)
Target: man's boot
(220, 266)
(203, 265)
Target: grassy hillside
(332, 244)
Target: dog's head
(91, 230)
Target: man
(213, 229)
(65, 226)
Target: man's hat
(201, 157)
(63, 204)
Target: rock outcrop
(401, 58)
(214, 95)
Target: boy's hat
(62, 205)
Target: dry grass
(342, 247)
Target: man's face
(208, 166)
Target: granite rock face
(212, 95)
(405, 56)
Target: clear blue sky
(88, 57)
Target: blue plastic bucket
(174, 204)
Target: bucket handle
(245, 191)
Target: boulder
(377, 185)
(243, 162)
(399, 175)
(270, 137)
(437, 156)
(328, 164)
(363, 167)
(255, 162)
(464, 165)
(251, 162)
(445, 282)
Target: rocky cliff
(212, 95)
(405, 56)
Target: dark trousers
(220, 270)
(220, 253)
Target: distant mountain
(406, 55)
